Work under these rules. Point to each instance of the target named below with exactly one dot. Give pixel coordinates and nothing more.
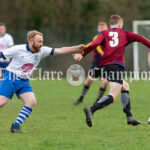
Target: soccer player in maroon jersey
(112, 64)
(94, 71)
(125, 99)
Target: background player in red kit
(94, 70)
(112, 64)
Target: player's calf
(31, 103)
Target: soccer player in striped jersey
(25, 59)
(94, 71)
(112, 64)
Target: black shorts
(94, 71)
(113, 73)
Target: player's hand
(77, 57)
(80, 47)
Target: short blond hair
(101, 23)
(115, 19)
(32, 34)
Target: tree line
(69, 14)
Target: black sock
(101, 92)
(126, 103)
(103, 102)
(85, 89)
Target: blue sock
(24, 113)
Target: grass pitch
(56, 124)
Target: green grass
(56, 124)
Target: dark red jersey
(113, 42)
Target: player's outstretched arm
(133, 37)
(66, 50)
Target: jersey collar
(114, 28)
(28, 49)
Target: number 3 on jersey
(115, 41)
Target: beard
(1, 34)
(36, 49)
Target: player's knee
(125, 86)
(89, 81)
(104, 84)
(31, 103)
(3, 102)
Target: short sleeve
(9, 53)
(46, 51)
